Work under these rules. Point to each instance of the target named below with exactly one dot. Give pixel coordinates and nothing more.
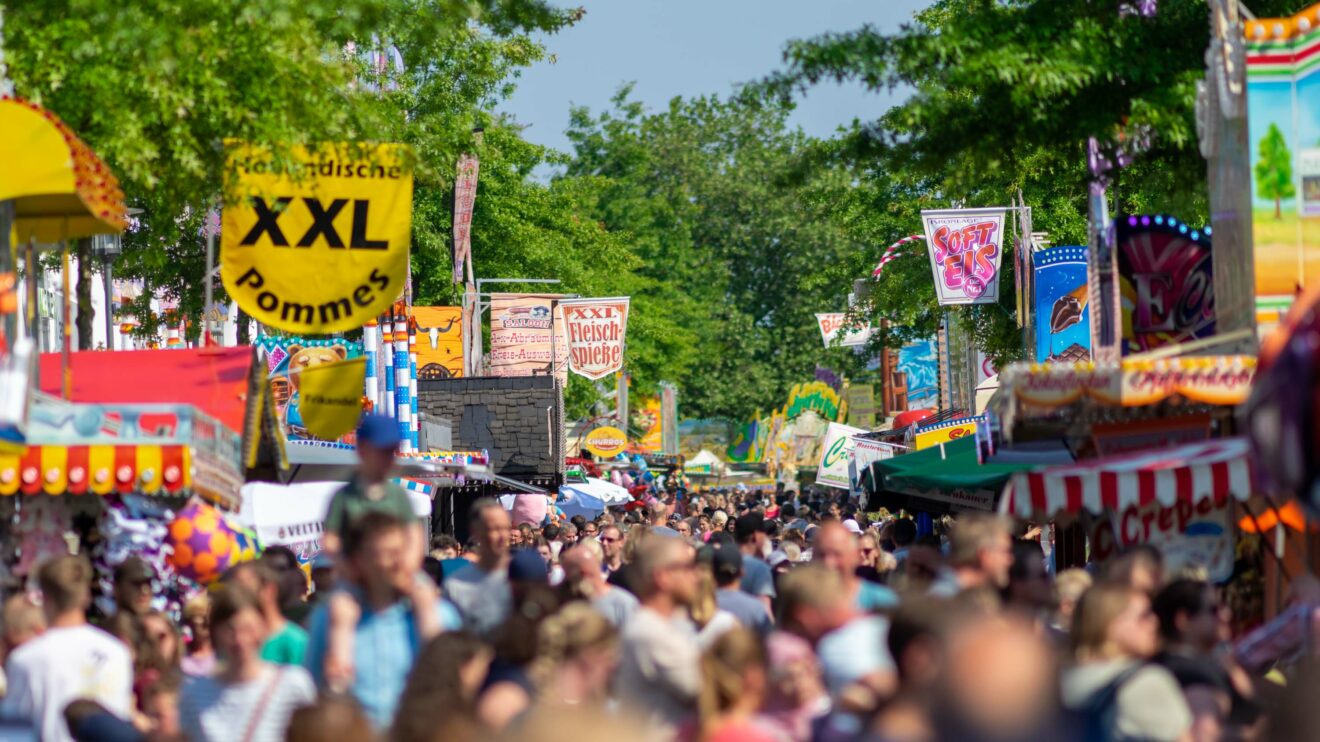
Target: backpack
(1092, 718)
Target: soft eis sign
(966, 248)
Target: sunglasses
(608, 540)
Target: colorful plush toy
(203, 543)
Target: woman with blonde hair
(711, 621)
(733, 687)
(1111, 685)
(578, 652)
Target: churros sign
(606, 441)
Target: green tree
(1005, 95)
(1274, 178)
(738, 244)
(155, 86)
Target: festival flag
(966, 247)
(331, 396)
(465, 198)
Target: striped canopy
(1192, 473)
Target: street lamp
(107, 247)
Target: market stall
(948, 477)
(293, 515)
(1179, 499)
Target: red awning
(215, 380)
(1191, 473)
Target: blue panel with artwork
(919, 363)
(1063, 314)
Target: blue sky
(692, 47)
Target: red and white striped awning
(1191, 473)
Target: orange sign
(439, 342)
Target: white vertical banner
(465, 199)
(966, 248)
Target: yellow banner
(318, 244)
(331, 397)
(646, 418)
(944, 434)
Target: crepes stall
(1180, 499)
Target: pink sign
(1166, 278)
(966, 247)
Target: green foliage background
(728, 227)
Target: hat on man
(727, 561)
(526, 565)
(851, 526)
(378, 431)
(135, 570)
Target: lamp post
(107, 247)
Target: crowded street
(734, 371)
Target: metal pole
(210, 261)
(107, 274)
(66, 327)
(33, 271)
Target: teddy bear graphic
(302, 358)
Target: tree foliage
(737, 240)
(156, 86)
(1005, 95)
(1274, 170)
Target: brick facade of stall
(518, 420)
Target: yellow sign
(318, 244)
(331, 397)
(944, 432)
(606, 441)
(439, 342)
(646, 417)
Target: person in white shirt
(71, 661)
(248, 699)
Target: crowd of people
(710, 616)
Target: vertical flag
(465, 198)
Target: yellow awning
(60, 188)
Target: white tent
(588, 499)
(704, 461)
(289, 514)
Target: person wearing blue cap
(371, 491)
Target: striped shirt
(211, 710)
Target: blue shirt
(874, 597)
(749, 611)
(384, 647)
(757, 580)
